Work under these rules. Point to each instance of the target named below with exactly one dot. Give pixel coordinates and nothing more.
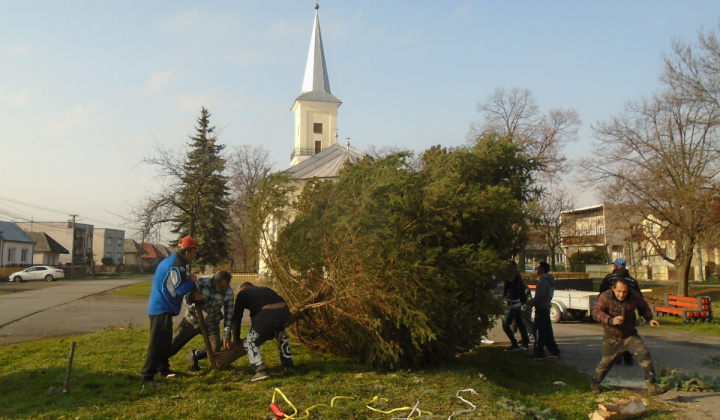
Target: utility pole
(2, 254)
(72, 252)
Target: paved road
(580, 344)
(66, 307)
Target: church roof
(326, 164)
(45, 243)
(316, 84)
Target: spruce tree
(203, 196)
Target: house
(74, 236)
(110, 244)
(152, 256)
(16, 246)
(132, 253)
(621, 234)
(602, 226)
(47, 250)
(536, 249)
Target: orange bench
(689, 308)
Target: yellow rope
(307, 410)
(375, 399)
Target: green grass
(105, 383)
(657, 296)
(139, 289)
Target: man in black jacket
(269, 315)
(514, 294)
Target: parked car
(37, 272)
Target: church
(317, 153)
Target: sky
(90, 88)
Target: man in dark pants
(269, 315)
(542, 301)
(619, 270)
(217, 303)
(615, 310)
(514, 294)
(171, 282)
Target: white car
(38, 272)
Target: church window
(317, 128)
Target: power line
(30, 219)
(63, 212)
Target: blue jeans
(546, 338)
(513, 313)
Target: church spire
(316, 84)
(316, 109)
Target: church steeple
(316, 108)
(316, 84)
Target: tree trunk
(684, 266)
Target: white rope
(468, 410)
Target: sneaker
(512, 348)
(595, 386)
(260, 375)
(151, 383)
(655, 389)
(525, 346)
(192, 361)
(555, 356)
(539, 358)
(169, 374)
(487, 341)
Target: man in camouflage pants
(615, 310)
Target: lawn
(105, 383)
(657, 296)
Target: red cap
(187, 242)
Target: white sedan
(38, 272)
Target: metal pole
(72, 252)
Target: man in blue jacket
(171, 282)
(542, 301)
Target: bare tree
(692, 73)
(661, 158)
(154, 210)
(248, 166)
(550, 223)
(515, 113)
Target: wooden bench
(689, 308)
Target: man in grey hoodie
(542, 301)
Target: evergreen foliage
(393, 266)
(203, 195)
(598, 256)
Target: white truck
(570, 303)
